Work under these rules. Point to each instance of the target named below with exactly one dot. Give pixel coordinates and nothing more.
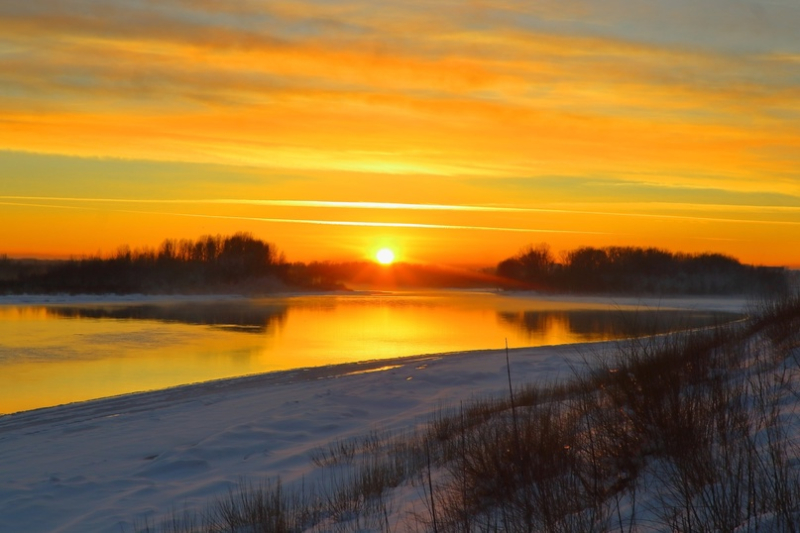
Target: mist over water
(54, 354)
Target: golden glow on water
(59, 354)
(47, 360)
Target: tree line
(211, 263)
(244, 264)
(618, 269)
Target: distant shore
(733, 303)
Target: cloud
(651, 210)
(272, 203)
(316, 222)
(407, 225)
(494, 89)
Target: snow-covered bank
(728, 304)
(138, 298)
(84, 299)
(732, 304)
(97, 466)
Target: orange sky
(451, 132)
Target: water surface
(54, 354)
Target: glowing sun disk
(385, 256)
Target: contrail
(370, 205)
(406, 206)
(379, 224)
(25, 204)
(316, 222)
(275, 203)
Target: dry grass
(684, 432)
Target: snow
(731, 304)
(96, 465)
(728, 304)
(102, 465)
(137, 298)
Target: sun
(385, 256)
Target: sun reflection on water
(53, 354)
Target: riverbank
(100, 465)
(110, 464)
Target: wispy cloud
(623, 210)
(315, 85)
(350, 223)
(411, 225)
(275, 203)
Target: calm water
(53, 354)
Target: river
(66, 350)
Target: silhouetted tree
(533, 265)
(208, 264)
(640, 270)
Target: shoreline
(136, 298)
(278, 377)
(735, 303)
(101, 465)
(732, 302)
